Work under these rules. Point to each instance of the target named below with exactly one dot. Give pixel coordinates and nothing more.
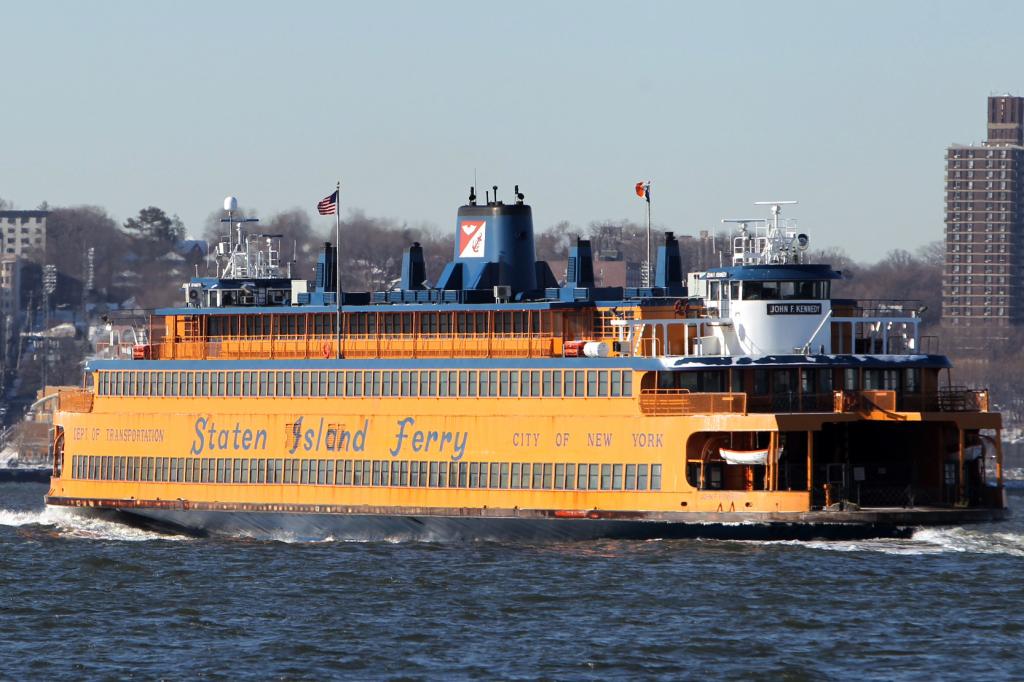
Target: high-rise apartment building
(21, 231)
(982, 281)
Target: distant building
(10, 285)
(982, 284)
(21, 231)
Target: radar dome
(230, 204)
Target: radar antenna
(765, 241)
(247, 255)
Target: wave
(9, 517)
(977, 542)
(937, 540)
(72, 523)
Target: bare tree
(72, 231)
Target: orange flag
(640, 190)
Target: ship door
(836, 482)
(723, 305)
(57, 450)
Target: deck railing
(367, 346)
(864, 401)
(962, 399)
(679, 401)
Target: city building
(22, 231)
(982, 285)
(10, 285)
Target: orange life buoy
(681, 308)
(326, 348)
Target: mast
(337, 269)
(647, 196)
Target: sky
(846, 107)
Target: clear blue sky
(847, 107)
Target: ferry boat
(494, 402)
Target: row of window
(978, 174)
(320, 324)
(969, 269)
(769, 291)
(366, 472)
(976, 153)
(986, 312)
(373, 383)
(982, 184)
(784, 381)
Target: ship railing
(680, 401)
(75, 400)
(879, 335)
(689, 337)
(962, 399)
(847, 401)
(672, 337)
(953, 399)
(791, 402)
(361, 346)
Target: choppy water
(83, 598)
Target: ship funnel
(493, 246)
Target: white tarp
(747, 457)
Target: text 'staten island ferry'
(497, 404)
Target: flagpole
(337, 267)
(647, 196)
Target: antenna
(743, 222)
(776, 208)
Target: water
(86, 598)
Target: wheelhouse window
(785, 290)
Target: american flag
(329, 204)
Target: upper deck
(495, 300)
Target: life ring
(326, 349)
(681, 308)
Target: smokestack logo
(471, 239)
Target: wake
(72, 523)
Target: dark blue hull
(374, 527)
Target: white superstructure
(770, 302)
